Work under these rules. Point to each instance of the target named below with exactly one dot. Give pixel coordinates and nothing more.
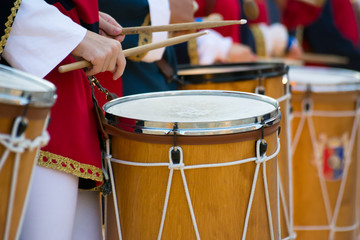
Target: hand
(295, 52)
(109, 27)
(105, 54)
(240, 53)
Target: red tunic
(74, 146)
(229, 9)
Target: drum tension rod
(175, 153)
(24, 121)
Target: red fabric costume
(74, 146)
(229, 9)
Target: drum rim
(267, 70)
(322, 87)
(44, 98)
(193, 128)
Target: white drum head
(17, 87)
(322, 79)
(210, 111)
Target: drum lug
(260, 147)
(263, 147)
(175, 155)
(22, 126)
(260, 90)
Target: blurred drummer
(43, 36)
(222, 44)
(265, 32)
(327, 27)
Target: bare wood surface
(180, 26)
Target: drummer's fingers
(120, 66)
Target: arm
(33, 45)
(42, 37)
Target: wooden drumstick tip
(251, 9)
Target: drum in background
(325, 125)
(25, 102)
(265, 78)
(193, 164)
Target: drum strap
(167, 71)
(101, 122)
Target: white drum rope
(306, 115)
(17, 145)
(285, 97)
(287, 206)
(284, 204)
(181, 167)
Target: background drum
(325, 125)
(265, 78)
(25, 102)
(185, 166)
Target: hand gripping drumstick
(180, 26)
(135, 50)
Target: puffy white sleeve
(41, 37)
(212, 47)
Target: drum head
(194, 112)
(17, 87)
(192, 74)
(322, 79)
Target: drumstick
(180, 26)
(135, 50)
(324, 58)
(309, 57)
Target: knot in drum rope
(18, 143)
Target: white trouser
(57, 210)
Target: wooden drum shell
(309, 208)
(219, 195)
(37, 119)
(274, 88)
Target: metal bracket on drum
(24, 121)
(307, 103)
(260, 89)
(175, 154)
(260, 145)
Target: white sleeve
(41, 37)
(213, 47)
(159, 15)
(275, 38)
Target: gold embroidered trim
(144, 38)
(192, 52)
(54, 161)
(259, 41)
(8, 25)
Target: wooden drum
(264, 78)
(25, 102)
(324, 144)
(193, 164)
